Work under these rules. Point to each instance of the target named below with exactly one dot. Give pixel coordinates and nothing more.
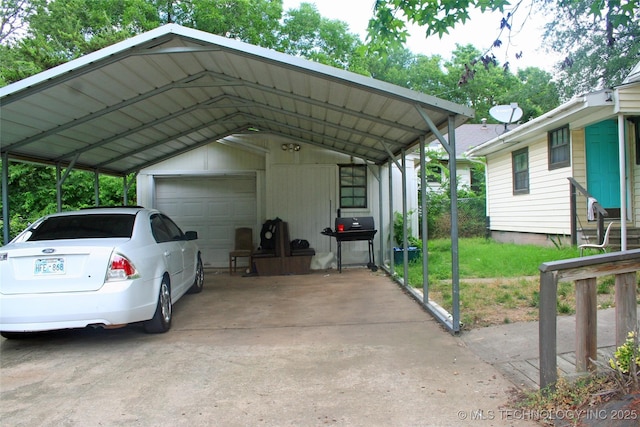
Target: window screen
(520, 162)
(353, 186)
(559, 153)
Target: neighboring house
(467, 136)
(528, 168)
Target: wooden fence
(584, 272)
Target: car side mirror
(191, 235)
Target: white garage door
(212, 206)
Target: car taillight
(120, 268)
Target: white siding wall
(464, 175)
(629, 99)
(305, 197)
(300, 187)
(629, 102)
(544, 210)
(303, 189)
(635, 184)
(210, 160)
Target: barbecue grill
(349, 229)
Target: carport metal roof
(173, 89)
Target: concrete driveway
(346, 349)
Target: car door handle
(167, 254)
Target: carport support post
(455, 270)
(5, 198)
(586, 324)
(125, 188)
(391, 255)
(425, 234)
(450, 147)
(60, 179)
(58, 188)
(405, 240)
(547, 331)
(380, 222)
(626, 307)
(623, 181)
(96, 188)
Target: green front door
(603, 164)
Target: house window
(353, 186)
(636, 131)
(434, 174)
(477, 179)
(559, 148)
(520, 161)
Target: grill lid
(354, 224)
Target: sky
(480, 30)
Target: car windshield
(84, 227)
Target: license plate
(45, 266)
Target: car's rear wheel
(198, 283)
(161, 321)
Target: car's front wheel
(161, 321)
(198, 283)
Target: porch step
(633, 237)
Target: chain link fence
(471, 217)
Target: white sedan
(101, 267)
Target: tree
(605, 32)
(536, 94)
(32, 192)
(61, 30)
(440, 16)
(478, 84)
(388, 26)
(486, 85)
(393, 67)
(252, 21)
(13, 17)
(304, 32)
(482, 85)
(606, 56)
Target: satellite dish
(506, 113)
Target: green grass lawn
(484, 258)
(499, 282)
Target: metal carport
(173, 89)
